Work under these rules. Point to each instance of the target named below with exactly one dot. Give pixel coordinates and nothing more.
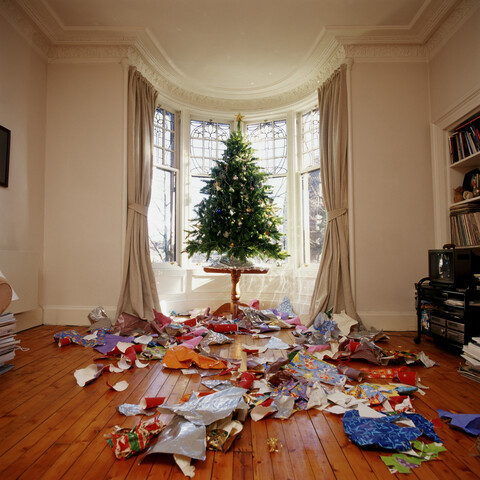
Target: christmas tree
(237, 218)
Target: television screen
(441, 266)
(4, 155)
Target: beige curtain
(332, 286)
(139, 292)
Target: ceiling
(237, 49)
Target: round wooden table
(235, 273)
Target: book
(6, 357)
(472, 350)
(469, 372)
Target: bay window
(204, 145)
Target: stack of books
(8, 342)
(471, 355)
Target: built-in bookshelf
(464, 145)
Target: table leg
(235, 274)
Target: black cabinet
(448, 314)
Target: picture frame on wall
(4, 155)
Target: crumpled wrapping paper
(208, 409)
(181, 437)
(99, 319)
(125, 442)
(179, 357)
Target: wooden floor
(51, 428)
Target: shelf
(463, 202)
(466, 164)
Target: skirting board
(72, 315)
(389, 321)
(30, 319)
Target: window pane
(279, 195)
(162, 211)
(310, 139)
(269, 140)
(314, 216)
(206, 145)
(161, 216)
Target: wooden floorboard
(50, 428)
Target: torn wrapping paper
(119, 386)
(427, 362)
(317, 398)
(401, 463)
(421, 452)
(184, 465)
(110, 343)
(217, 384)
(286, 307)
(150, 352)
(351, 373)
(284, 405)
(125, 442)
(294, 389)
(259, 412)
(181, 437)
(88, 374)
(208, 409)
(72, 336)
(221, 434)
(377, 394)
(182, 357)
(276, 344)
(384, 432)
(324, 330)
(99, 319)
(151, 402)
(143, 339)
(314, 370)
(131, 409)
(344, 322)
(468, 422)
(127, 324)
(215, 338)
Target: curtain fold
(333, 285)
(138, 295)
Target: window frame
(294, 231)
(177, 170)
(302, 171)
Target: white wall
(392, 189)
(75, 112)
(454, 71)
(84, 199)
(23, 78)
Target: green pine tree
(237, 218)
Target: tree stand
(235, 274)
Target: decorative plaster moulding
(451, 25)
(62, 45)
(25, 26)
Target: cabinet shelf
(464, 215)
(447, 314)
(465, 202)
(467, 163)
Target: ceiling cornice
(60, 44)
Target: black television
(453, 266)
(4, 155)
